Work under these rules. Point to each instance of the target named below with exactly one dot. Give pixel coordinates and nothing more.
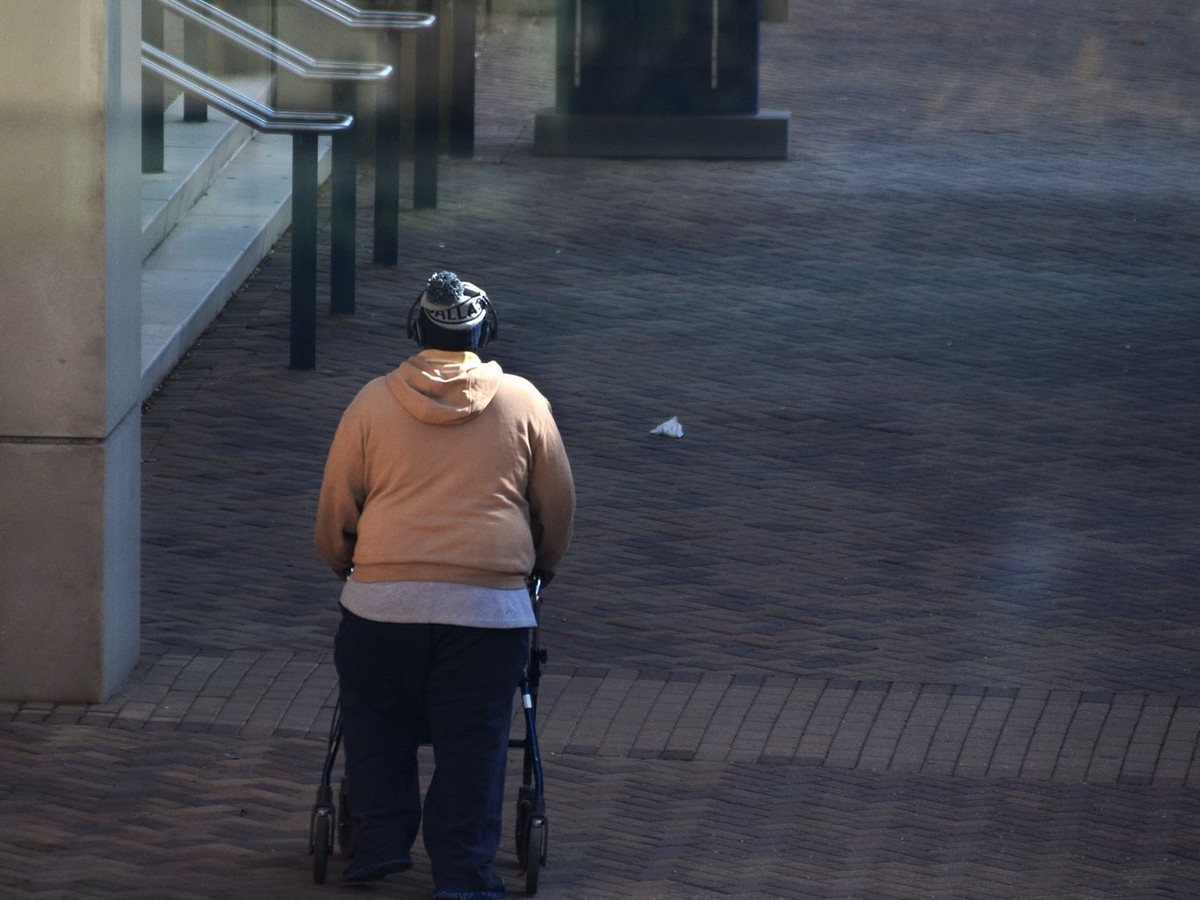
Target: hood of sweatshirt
(442, 387)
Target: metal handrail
(462, 69)
(425, 123)
(344, 77)
(267, 45)
(305, 127)
(352, 16)
(245, 109)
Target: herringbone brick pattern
(907, 612)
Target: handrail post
(343, 203)
(195, 53)
(462, 99)
(304, 252)
(387, 158)
(273, 29)
(426, 116)
(153, 105)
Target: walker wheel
(321, 843)
(535, 853)
(526, 801)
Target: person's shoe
(495, 891)
(357, 872)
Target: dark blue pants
(401, 685)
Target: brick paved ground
(909, 611)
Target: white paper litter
(671, 428)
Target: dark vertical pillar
(387, 158)
(153, 152)
(343, 203)
(462, 99)
(425, 124)
(273, 27)
(304, 252)
(568, 25)
(195, 54)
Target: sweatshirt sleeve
(551, 497)
(342, 495)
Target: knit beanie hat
(451, 315)
(452, 304)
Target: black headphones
(486, 331)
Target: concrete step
(194, 155)
(207, 222)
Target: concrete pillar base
(764, 135)
(69, 551)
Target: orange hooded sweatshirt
(446, 469)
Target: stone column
(668, 78)
(70, 335)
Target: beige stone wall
(70, 276)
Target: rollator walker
(331, 825)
